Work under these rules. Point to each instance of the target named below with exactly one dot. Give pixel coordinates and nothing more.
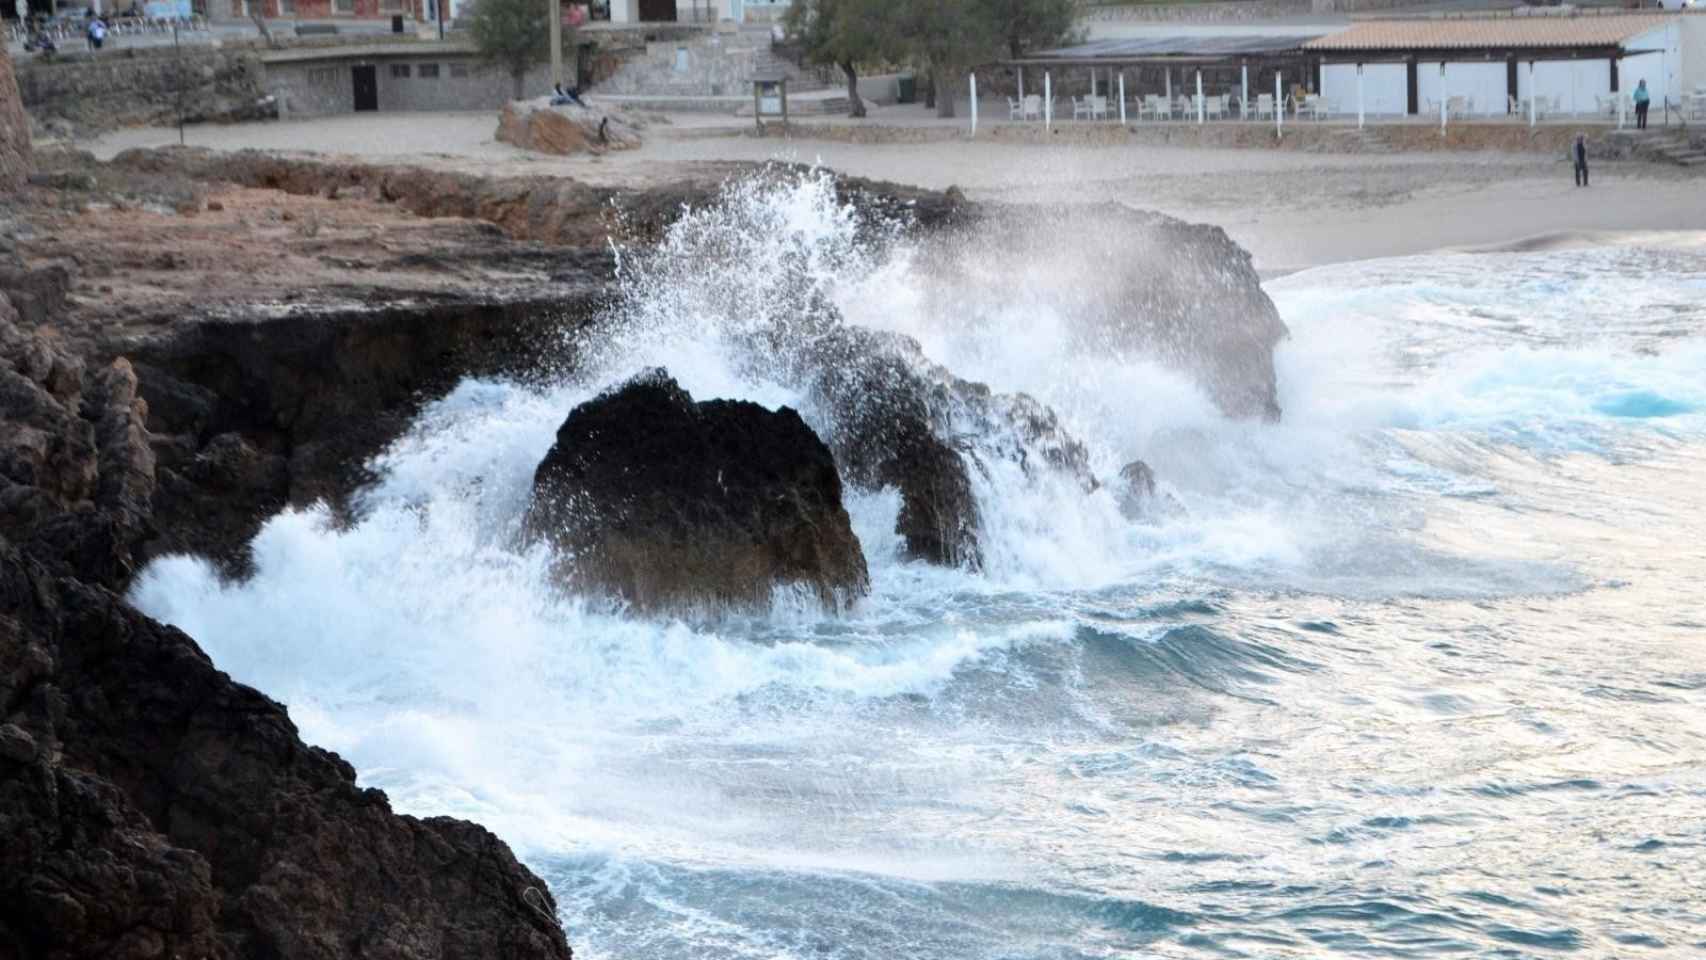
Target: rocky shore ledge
(190, 342)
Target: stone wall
(14, 129)
(1235, 11)
(83, 93)
(1228, 11)
(448, 82)
(715, 65)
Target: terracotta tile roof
(1467, 33)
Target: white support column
(1533, 96)
(1167, 74)
(1359, 97)
(1122, 98)
(1279, 106)
(1244, 94)
(1048, 101)
(1092, 81)
(1200, 105)
(974, 103)
(1444, 98)
(1021, 89)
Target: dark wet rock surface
(670, 504)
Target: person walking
(1642, 99)
(97, 33)
(1581, 161)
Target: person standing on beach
(1642, 98)
(1581, 161)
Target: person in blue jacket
(1642, 98)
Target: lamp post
(556, 43)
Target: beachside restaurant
(1184, 78)
(1525, 67)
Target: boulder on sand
(564, 130)
(675, 505)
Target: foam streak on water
(1418, 671)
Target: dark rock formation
(14, 129)
(252, 416)
(152, 807)
(895, 419)
(76, 470)
(1136, 489)
(1131, 285)
(672, 504)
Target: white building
(696, 11)
(1574, 62)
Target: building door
(366, 87)
(656, 11)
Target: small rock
(16, 745)
(215, 206)
(287, 216)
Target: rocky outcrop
(675, 505)
(554, 210)
(152, 807)
(76, 468)
(14, 129)
(1128, 285)
(564, 130)
(897, 420)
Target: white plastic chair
(1015, 109)
(1033, 108)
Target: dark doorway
(366, 87)
(654, 11)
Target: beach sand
(1292, 210)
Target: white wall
(1660, 67)
(624, 11)
(1693, 59)
(1574, 82)
(1385, 88)
(1482, 79)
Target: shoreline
(1292, 210)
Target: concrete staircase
(1678, 148)
(1662, 145)
(769, 60)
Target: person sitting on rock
(562, 96)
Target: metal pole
(1533, 96)
(178, 59)
(1122, 98)
(1359, 97)
(1279, 107)
(974, 103)
(556, 43)
(1244, 90)
(1048, 101)
(1021, 92)
(1199, 97)
(441, 6)
(1443, 99)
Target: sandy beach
(1291, 210)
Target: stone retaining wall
(1554, 140)
(82, 95)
